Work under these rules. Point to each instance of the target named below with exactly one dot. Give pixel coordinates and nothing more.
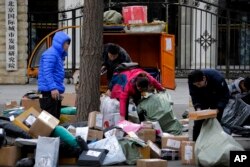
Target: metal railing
(207, 35)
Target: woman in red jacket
(131, 83)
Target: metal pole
(228, 44)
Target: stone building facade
(16, 76)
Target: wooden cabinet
(149, 50)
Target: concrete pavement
(180, 97)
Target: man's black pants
(50, 105)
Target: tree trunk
(88, 97)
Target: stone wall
(19, 76)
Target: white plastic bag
(109, 105)
(213, 145)
(115, 154)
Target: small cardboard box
(147, 125)
(147, 134)
(92, 119)
(10, 104)
(106, 120)
(145, 152)
(155, 151)
(44, 125)
(27, 103)
(151, 163)
(173, 142)
(95, 134)
(202, 114)
(20, 120)
(9, 155)
(69, 99)
(64, 118)
(187, 153)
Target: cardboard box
(95, 134)
(27, 103)
(170, 154)
(9, 155)
(173, 142)
(145, 152)
(67, 161)
(92, 119)
(147, 125)
(69, 99)
(155, 151)
(44, 125)
(151, 163)
(187, 153)
(202, 114)
(134, 14)
(147, 134)
(20, 120)
(10, 105)
(64, 118)
(106, 120)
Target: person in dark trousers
(51, 74)
(113, 55)
(208, 89)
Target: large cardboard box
(26, 118)
(202, 114)
(69, 99)
(147, 134)
(9, 155)
(151, 163)
(95, 134)
(27, 103)
(44, 125)
(187, 153)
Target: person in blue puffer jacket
(51, 74)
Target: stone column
(19, 76)
(198, 35)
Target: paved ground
(179, 96)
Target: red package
(134, 14)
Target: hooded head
(58, 41)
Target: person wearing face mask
(208, 90)
(51, 74)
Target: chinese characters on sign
(11, 34)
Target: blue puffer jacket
(51, 67)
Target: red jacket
(122, 85)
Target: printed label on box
(93, 153)
(173, 143)
(188, 153)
